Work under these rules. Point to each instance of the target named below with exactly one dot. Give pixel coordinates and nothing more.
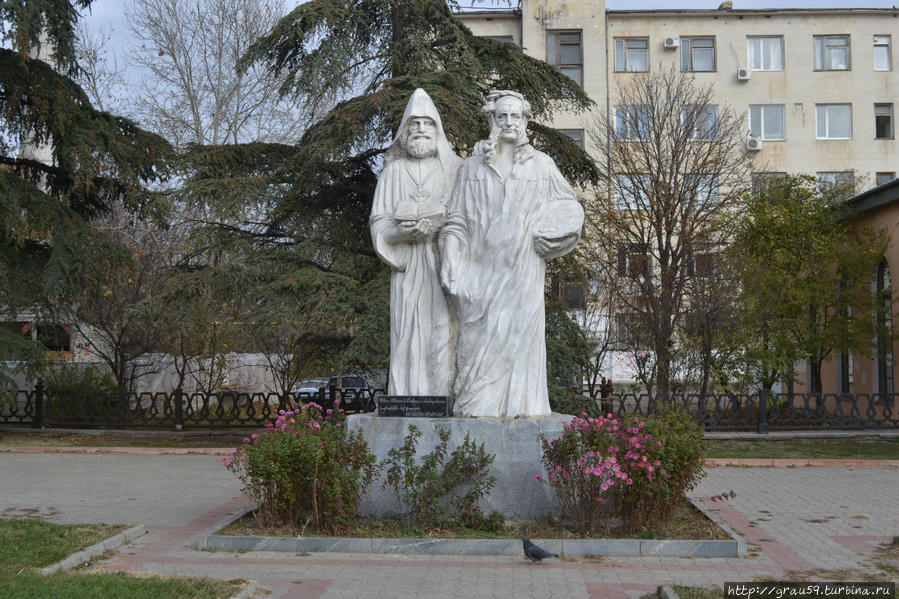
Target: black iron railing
(760, 412)
(178, 410)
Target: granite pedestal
(515, 443)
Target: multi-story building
(818, 87)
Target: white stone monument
(511, 210)
(409, 208)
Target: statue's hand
(448, 276)
(548, 247)
(408, 231)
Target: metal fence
(763, 412)
(178, 410)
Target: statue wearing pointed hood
(409, 209)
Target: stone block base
(515, 443)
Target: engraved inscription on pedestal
(414, 406)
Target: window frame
(687, 45)
(709, 133)
(624, 53)
(834, 178)
(824, 64)
(878, 43)
(556, 36)
(636, 120)
(575, 135)
(750, 55)
(891, 123)
(763, 135)
(633, 201)
(827, 136)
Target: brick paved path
(792, 518)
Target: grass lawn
(686, 523)
(26, 545)
(804, 449)
(45, 439)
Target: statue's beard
(422, 147)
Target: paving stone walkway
(805, 519)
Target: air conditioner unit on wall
(744, 74)
(670, 43)
(753, 144)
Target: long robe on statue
(421, 330)
(499, 290)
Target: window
(697, 54)
(835, 179)
(699, 121)
(632, 54)
(766, 53)
(884, 178)
(630, 331)
(563, 51)
(834, 121)
(704, 189)
(883, 60)
(571, 292)
(884, 346)
(883, 121)
(831, 52)
(703, 261)
(631, 191)
(631, 122)
(576, 135)
(767, 121)
(761, 180)
(633, 260)
(846, 378)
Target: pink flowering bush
(304, 467)
(673, 448)
(596, 455)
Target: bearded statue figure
(409, 209)
(511, 210)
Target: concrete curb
(800, 463)
(666, 592)
(511, 547)
(88, 553)
(566, 547)
(741, 542)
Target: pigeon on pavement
(535, 553)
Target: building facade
(818, 88)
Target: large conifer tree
(357, 62)
(62, 163)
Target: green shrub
(563, 401)
(435, 491)
(675, 450)
(305, 467)
(81, 395)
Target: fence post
(179, 410)
(763, 413)
(37, 421)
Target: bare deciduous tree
(194, 93)
(677, 169)
(101, 75)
